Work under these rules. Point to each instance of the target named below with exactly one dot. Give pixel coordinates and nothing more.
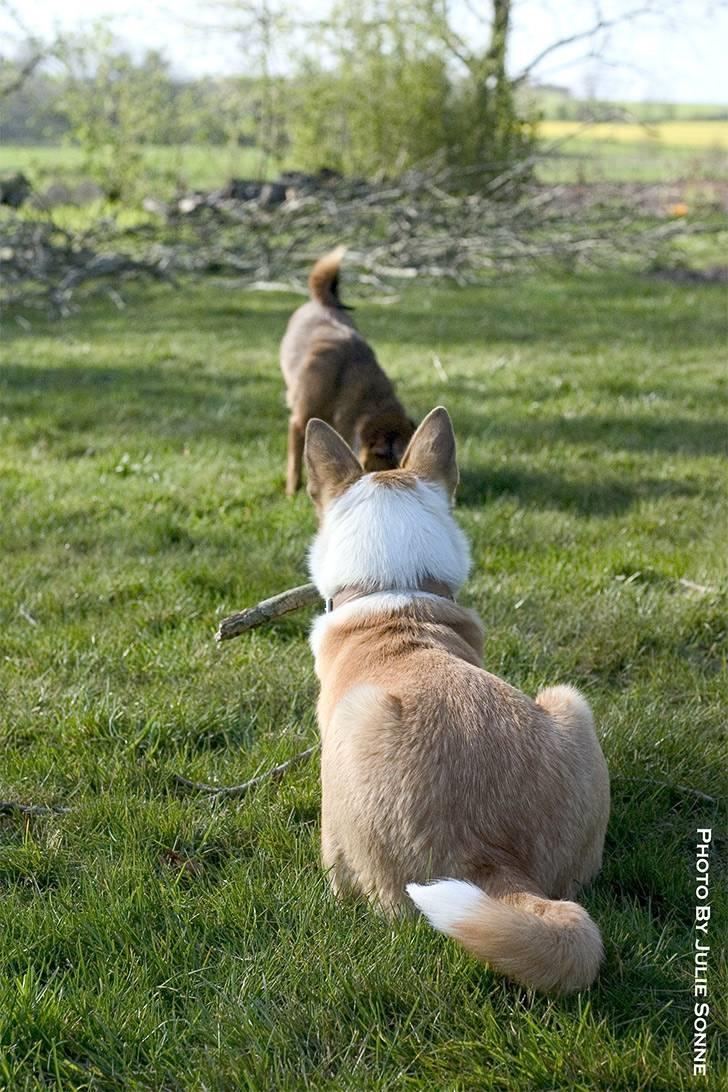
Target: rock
(190, 203)
(14, 190)
(86, 192)
(241, 189)
(58, 193)
(327, 176)
(155, 206)
(272, 195)
(299, 179)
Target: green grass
(636, 155)
(689, 151)
(188, 166)
(150, 940)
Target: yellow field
(683, 134)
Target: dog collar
(347, 595)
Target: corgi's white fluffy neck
(380, 536)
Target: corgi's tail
(543, 943)
(323, 280)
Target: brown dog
(332, 373)
(431, 767)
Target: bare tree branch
(12, 807)
(426, 226)
(442, 24)
(684, 790)
(227, 791)
(18, 78)
(601, 24)
(36, 50)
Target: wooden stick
(703, 589)
(25, 613)
(11, 807)
(274, 774)
(685, 790)
(287, 601)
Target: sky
(679, 56)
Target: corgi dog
(331, 373)
(443, 786)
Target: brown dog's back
(321, 327)
(332, 373)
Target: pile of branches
(428, 223)
(45, 264)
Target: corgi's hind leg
(333, 858)
(296, 439)
(589, 777)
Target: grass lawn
(151, 940)
(667, 151)
(189, 166)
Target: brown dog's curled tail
(543, 943)
(323, 280)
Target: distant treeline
(211, 111)
(222, 110)
(373, 90)
(558, 104)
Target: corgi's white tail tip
(547, 944)
(445, 903)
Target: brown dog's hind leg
(296, 437)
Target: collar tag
(329, 606)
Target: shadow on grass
(644, 897)
(187, 403)
(576, 313)
(173, 387)
(599, 497)
(633, 432)
(167, 403)
(628, 431)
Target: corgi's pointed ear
(331, 465)
(431, 451)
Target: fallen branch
(690, 585)
(274, 774)
(431, 222)
(684, 789)
(25, 613)
(12, 807)
(287, 601)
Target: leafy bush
(386, 92)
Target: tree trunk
(496, 55)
